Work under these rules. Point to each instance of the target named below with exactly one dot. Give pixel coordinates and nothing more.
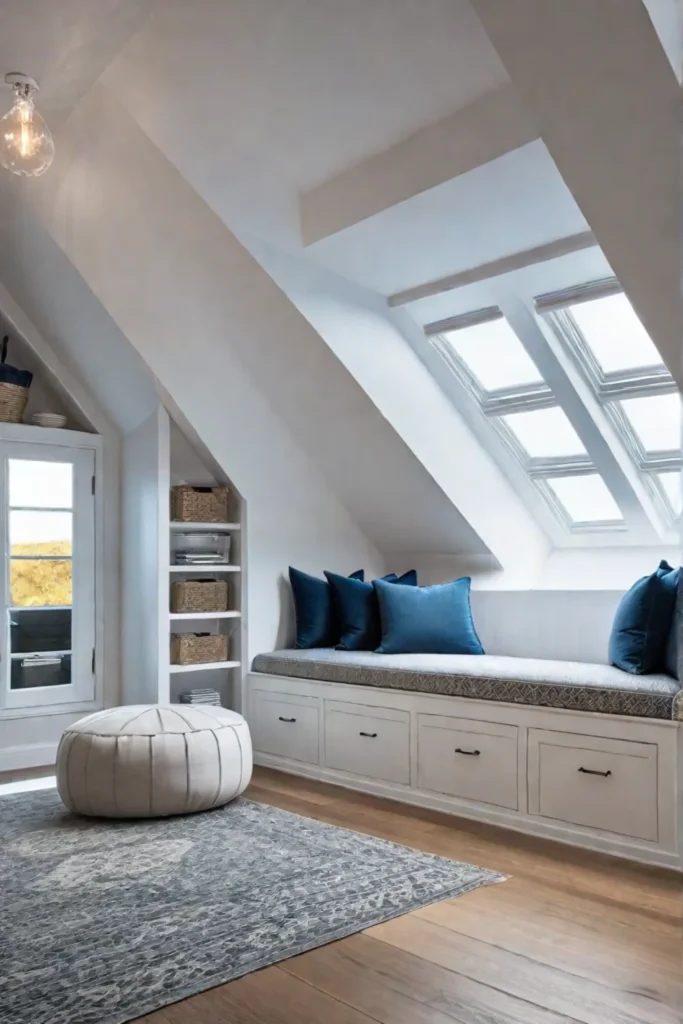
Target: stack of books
(201, 696)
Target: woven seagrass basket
(198, 648)
(199, 504)
(199, 596)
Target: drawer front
(473, 760)
(369, 741)
(285, 725)
(599, 783)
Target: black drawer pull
(591, 771)
(470, 753)
(287, 719)
(370, 735)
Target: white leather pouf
(151, 761)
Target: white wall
(145, 559)
(203, 316)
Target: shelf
(205, 615)
(205, 527)
(205, 568)
(209, 666)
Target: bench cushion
(576, 686)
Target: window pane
(494, 354)
(615, 334)
(40, 670)
(671, 485)
(586, 498)
(40, 533)
(545, 433)
(656, 421)
(34, 630)
(40, 584)
(35, 484)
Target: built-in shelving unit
(187, 466)
(158, 456)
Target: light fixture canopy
(26, 146)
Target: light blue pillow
(427, 620)
(637, 643)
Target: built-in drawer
(285, 725)
(596, 782)
(369, 741)
(469, 759)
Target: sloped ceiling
(255, 102)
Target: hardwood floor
(570, 938)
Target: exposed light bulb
(26, 145)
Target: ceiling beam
(504, 265)
(482, 131)
(607, 102)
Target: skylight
(545, 433)
(656, 421)
(670, 481)
(494, 355)
(614, 334)
(585, 498)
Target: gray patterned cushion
(576, 686)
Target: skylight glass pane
(545, 433)
(586, 499)
(656, 420)
(671, 485)
(615, 334)
(494, 354)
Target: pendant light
(26, 145)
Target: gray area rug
(101, 922)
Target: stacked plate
(49, 419)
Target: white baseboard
(31, 755)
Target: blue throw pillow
(316, 622)
(671, 653)
(358, 611)
(427, 620)
(637, 643)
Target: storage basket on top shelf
(199, 596)
(198, 648)
(200, 504)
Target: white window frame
(525, 398)
(82, 688)
(610, 388)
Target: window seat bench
(572, 685)
(580, 753)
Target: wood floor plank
(618, 958)
(272, 996)
(396, 987)
(581, 999)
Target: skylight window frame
(522, 398)
(613, 387)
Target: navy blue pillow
(637, 643)
(427, 620)
(316, 622)
(358, 611)
(671, 653)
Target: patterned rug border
(223, 975)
